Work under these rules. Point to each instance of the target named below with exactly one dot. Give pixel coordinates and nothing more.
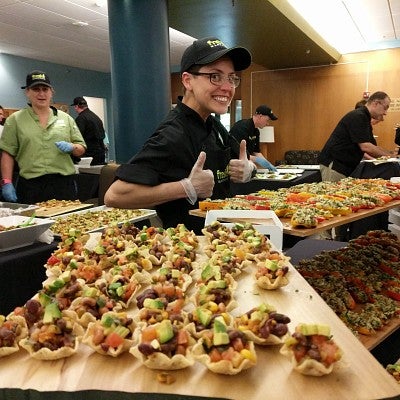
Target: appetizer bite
(11, 331)
(163, 346)
(272, 272)
(312, 349)
(224, 350)
(263, 325)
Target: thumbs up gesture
(200, 182)
(240, 170)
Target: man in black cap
(248, 129)
(189, 157)
(92, 129)
(41, 140)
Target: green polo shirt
(33, 146)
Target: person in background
(2, 119)
(41, 139)
(352, 138)
(92, 129)
(189, 156)
(248, 129)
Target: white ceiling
(46, 30)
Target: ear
(187, 80)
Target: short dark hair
(377, 96)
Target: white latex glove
(242, 169)
(200, 183)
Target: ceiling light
(80, 23)
(332, 21)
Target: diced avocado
(73, 263)
(271, 265)
(107, 320)
(266, 308)
(207, 272)
(220, 284)
(66, 276)
(44, 299)
(99, 249)
(90, 292)
(120, 291)
(153, 303)
(57, 284)
(314, 329)
(175, 273)
(220, 338)
(122, 331)
(221, 247)
(219, 324)
(164, 271)
(165, 331)
(143, 236)
(51, 312)
(256, 316)
(324, 330)
(204, 316)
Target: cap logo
(215, 43)
(38, 76)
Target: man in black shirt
(248, 129)
(189, 157)
(92, 130)
(353, 138)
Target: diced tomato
(215, 355)
(392, 294)
(183, 337)
(228, 354)
(238, 345)
(388, 270)
(53, 260)
(254, 197)
(114, 340)
(299, 352)
(149, 334)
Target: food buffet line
(357, 374)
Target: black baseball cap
(79, 101)
(36, 78)
(264, 110)
(207, 50)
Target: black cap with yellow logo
(36, 78)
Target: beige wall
(310, 101)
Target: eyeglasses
(219, 79)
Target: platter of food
(53, 207)
(97, 218)
(290, 170)
(299, 166)
(273, 176)
(7, 209)
(18, 230)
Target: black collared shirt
(342, 146)
(170, 154)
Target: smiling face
(205, 97)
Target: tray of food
(274, 176)
(19, 230)
(97, 218)
(7, 209)
(52, 208)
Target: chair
(107, 175)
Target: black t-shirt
(245, 129)
(342, 146)
(170, 154)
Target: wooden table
(357, 376)
(329, 224)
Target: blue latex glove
(265, 164)
(8, 193)
(65, 147)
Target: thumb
(243, 151)
(200, 161)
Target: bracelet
(5, 181)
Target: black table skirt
(22, 273)
(255, 185)
(18, 394)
